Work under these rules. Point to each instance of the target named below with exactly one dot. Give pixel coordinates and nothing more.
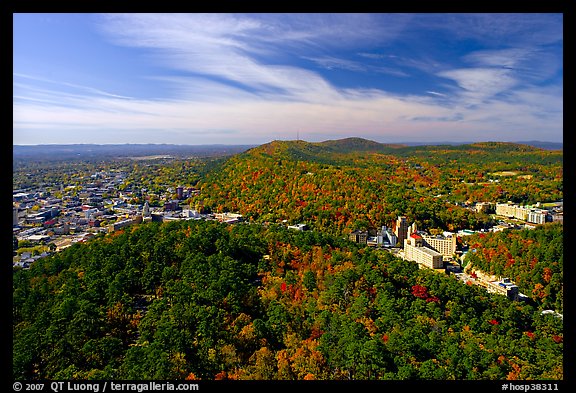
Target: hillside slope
(351, 184)
(202, 300)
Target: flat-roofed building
(414, 250)
(511, 210)
(298, 227)
(121, 224)
(504, 287)
(445, 245)
(229, 218)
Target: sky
(253, 78)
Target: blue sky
(253, 78)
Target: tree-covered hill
(348, 145)
(473, 153)
(202, 300)
(532, 258)
(339, 186)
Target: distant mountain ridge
(87, 151)
(544, 145)
(540, 144)
(299, 148)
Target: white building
(229, 218)
(512, 211)
(537, 216)
(386, 237)
(445, 245)
(414, 250)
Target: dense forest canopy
(532, 258)
(203, 300)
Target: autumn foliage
(207, 301)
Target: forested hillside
(339, 186)
(202, 300)
(532, 258)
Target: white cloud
(508, 58)
(480, 84)
(435, 93)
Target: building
(401, 230)
(372, 241)
(121, 224)
(146, 210)
(512, 211)
(359, 236)
(414, 250)
(94, 223)
(386, 237)
(445, 245)
(33, 219)
(229, 218)
(537, 216)
(504, 287)
(171, 205)
(500, 227)
(39, 238)
(90, 212)
(191, 213)
(483, 207)
(20, 196)
(64, 229)
(180, 192)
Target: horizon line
(282, 140)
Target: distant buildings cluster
(437, 251)
(385, 237)
(525, 213)
(419, 246)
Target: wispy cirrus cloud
(230, 47)
(480, 84)
(72, 86)
(331, 63)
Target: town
(45, 221)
